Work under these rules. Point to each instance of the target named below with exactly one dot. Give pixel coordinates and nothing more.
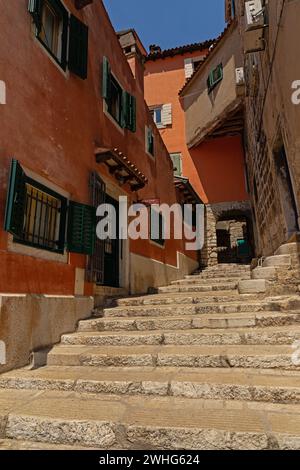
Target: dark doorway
(233, 240)
(95, 267)
(286, 192)
(103, 266)
(112, 252)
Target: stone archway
(229, 233)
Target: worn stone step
(110, 422)
(205, 282)
(198, 287)
(267, 335)
(264, 273)
(224, 384)
(245, 356)
(278, 260)
(288, 249)
(15, 444)
(178, 298)
(227, 266)
(218, 275)
(200, 306)
(189, 322)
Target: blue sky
(168, 23)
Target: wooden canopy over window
(184, 186)
(121, 168)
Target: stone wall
(272, 122)
(33, 322)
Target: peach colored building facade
(75, 145)
(214, 164)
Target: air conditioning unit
(254, 41)
(239, 76)
(254, 15)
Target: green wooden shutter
(16, 200)
(106, 71)
(132, 113)
(125, 116)
(81, 228)
(129, 111)
(78, 47)
(35, 9)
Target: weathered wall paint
(52, 122)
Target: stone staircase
(196, 365)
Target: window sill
(158, 245)
(23, 249)
(57, 64)
(112, 119)
(150, 155)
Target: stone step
(288, 249)
(224, 384)
(110, 422)
(227, 266)
(217, 356)
(200, 306)
(186, 287)
(250, 336)
(190, 322)
(180, 299)
(278, 260)
(252, 286)
(264, 273)
(219, 275)
(205, 282)
(15, 444)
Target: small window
(215, 77)
(157, 115)
(52, 31)
(64, 37)
(157, 228)
(114, 105)
(43, 218)
(177, 163)
(149, 141)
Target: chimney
(154, 49)
(135, 53)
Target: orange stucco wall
(215, 168)
(52, 122)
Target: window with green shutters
(149, 137)
(64, 37)
(37, 216)
(215, 77)
(81, 228)
(177, 163)
(120, 104)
